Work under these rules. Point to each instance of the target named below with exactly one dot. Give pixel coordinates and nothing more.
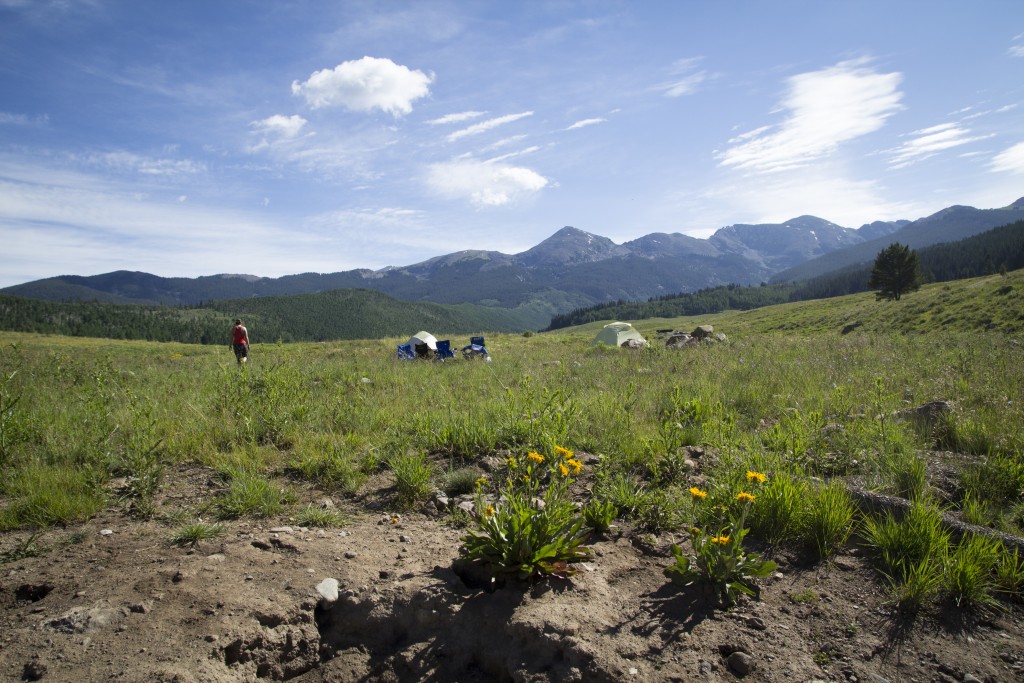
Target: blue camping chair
(405, 352)
(444, 350)
(475, 349)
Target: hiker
(240, 342)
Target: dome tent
(617, 334)
(421, 342)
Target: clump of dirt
(129, 605)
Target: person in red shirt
(240, 342)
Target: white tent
(423, 338)
(617, 334)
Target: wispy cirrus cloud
(483, 183)
(489, 124)
(146, 165)
(586, 122)
(684, 78)
(1010, 160)
(459, 117)
(927, 142)
(365, 84)
(824, 109)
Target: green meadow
(787, 395)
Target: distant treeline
(990, 252)
(338, 314)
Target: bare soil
(130, 606)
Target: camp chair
(405, 352)
(444, 350)
(475, 349)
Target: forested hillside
(339, 314)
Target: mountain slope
(948, 225)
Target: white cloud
(365, 84)
(484, 183)
(137, 163)
(487, 125)
(825, 108)
(10, 119)
(510, 155)
(929, 141)
(1017, 51)
(584, 123)
(780, 197)
(456, 118)
(1010, 160)
(684, 80)
(280, 125)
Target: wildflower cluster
(720, 558)
(536, 529)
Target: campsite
(168, 516)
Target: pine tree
(896, 272)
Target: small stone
(349, 555)
(211, 638)
(875, 678)
(106, 532)
(328, 589)
(741, 663)
(364, 380)
(405, 539)
(140, 608)
(178, 577)
(249, 577)
(970, 678)
(281, 530)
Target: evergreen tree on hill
(897, 271)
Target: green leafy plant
(193, 534)
(1009, 574)
(319, 516)
(251, 494)
(827, 520)
(967, 577)
(780, 505)
(721, 560)
(413, 478)
(536, 530)
(599, 515)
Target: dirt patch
(130, 606)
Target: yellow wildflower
(564, 452)
(489, 511)
(721, 540)
(481, 481)
(697, 493)
(511, 462)
(563, 469)
(576, 465)
(756, 476)
(534, 456)
(745, 497)
(694, 531)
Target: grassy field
(787, 395)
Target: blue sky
(192, 138)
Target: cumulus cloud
(929, 141)
(484, 183)
(364, 85)
(487, 125)
(280, 125)
(825, 108)
(456, 118)
(1010, 160)
(584, 123)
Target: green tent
(617, 334)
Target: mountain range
(572, 268)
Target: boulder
(703, 331)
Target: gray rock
(106, 532)
(703, 331)
(328, 589)
(875, 678)
(405, 539)
(281, 530)
(349, 555)
(741, 663)
(720, 336)
(970, 678)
